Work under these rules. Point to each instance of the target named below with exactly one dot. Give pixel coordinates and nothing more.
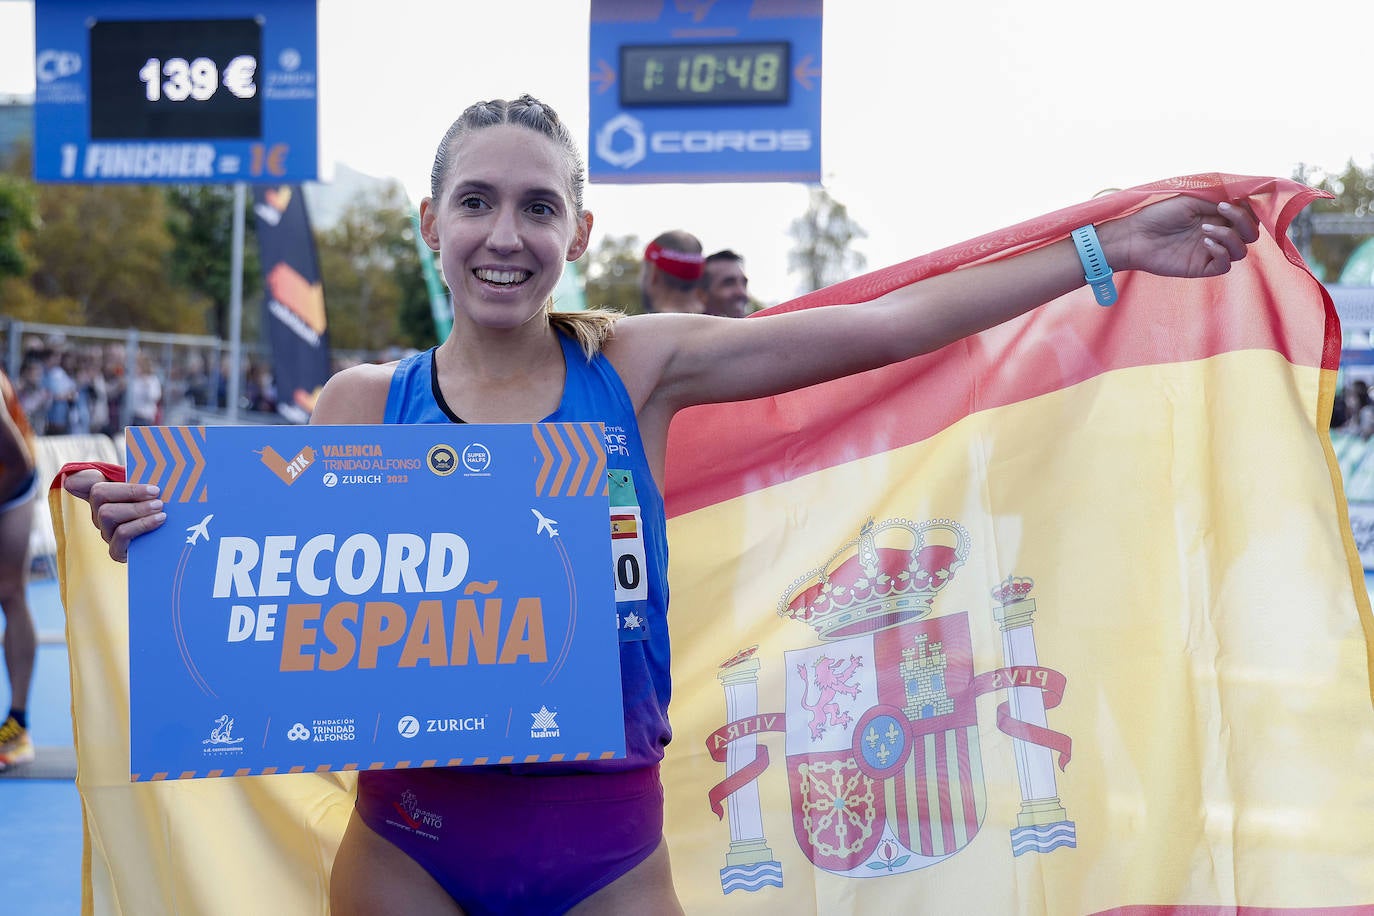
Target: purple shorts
(502, 843)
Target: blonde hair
(591, 328)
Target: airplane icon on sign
(201, 530)
(546, 525)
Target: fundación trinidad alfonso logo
(884, 764)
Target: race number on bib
(628, 557)
(627, 552)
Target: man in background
(724, 288)
(672, 268)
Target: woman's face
(504, 225)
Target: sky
(939, 121)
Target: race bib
(628, 558)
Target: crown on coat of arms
(886, 576)
(1012, 589)
(742, 655)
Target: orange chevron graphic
(175, 462)
(136, 461)
(560, 473)
(197, 462)
(570, 430)
(597, 484)
(572, 460)
(165, 456)
(159, 460)
(545, 463)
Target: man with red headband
(672, 267)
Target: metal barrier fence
(192, 370)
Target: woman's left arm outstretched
(698, 359)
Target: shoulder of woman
(650, 333)
(642, 341)
(355, 395)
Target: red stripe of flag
(1158, 320)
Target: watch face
(189, 79)
(705, 74)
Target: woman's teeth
(502, 277)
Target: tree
(18, 220)
(612, 272)
(417, 312)
(1353, 188)
(823, 236)
(108, 247)
(20, 213)
(201, 222)
(101, 257)
(371, 272)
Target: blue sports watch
(1095, 268)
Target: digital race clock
(705, 74)
(181, 79)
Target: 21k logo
(288, 471)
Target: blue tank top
(593, 392)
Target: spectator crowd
(69, 387)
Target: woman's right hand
(122, 511)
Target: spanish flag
(1064, 618)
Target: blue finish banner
(367, 597)
(697, 92)
(156, 91)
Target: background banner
(293, 299)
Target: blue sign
(355, 597)
(722, 91)
(152, 91)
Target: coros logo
(53, 65)
(299, 733)
(610, 145)
(408, 727)
(606, 141)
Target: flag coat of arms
(1063, 618)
